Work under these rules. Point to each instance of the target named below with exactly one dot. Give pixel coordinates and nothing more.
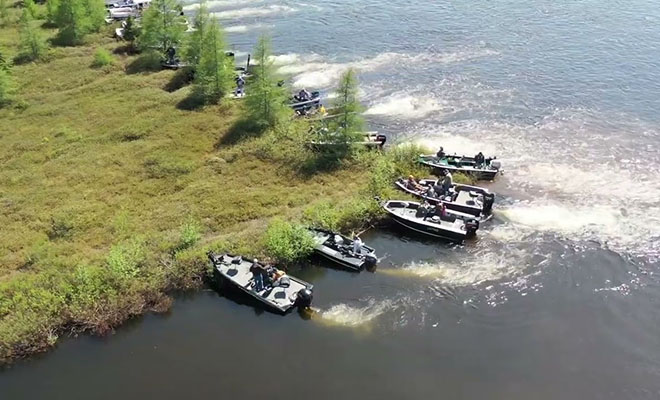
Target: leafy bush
(190, 234)
(353, 214)
(147, 62)
(287, 242)
(31, 8)
(125, 260)
(102, 57)
(463, 178)
(77, 18)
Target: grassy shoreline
(112, 190)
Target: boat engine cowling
(370, 260)
(304, 298)
(497, 164)
(471, 226)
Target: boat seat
(232, 271)
(280, 294)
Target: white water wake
(254, 12)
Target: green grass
(112, 192)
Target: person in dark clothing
(440, 153)
(479, 159)
(258, 273)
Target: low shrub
(287, 242)
(189, 235)
(102, 58)
(161, 167)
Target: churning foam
(405, 105)
(470, 270)
(243, 28)
(254, 12)
(323, 74)
(214, 4)
(350, 316)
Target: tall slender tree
(265, 100)
(195, 40)
(348, 122)
(214, 71)
(32, 46)
(162, 25)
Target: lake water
(558, 298)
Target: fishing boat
(450, 225)
(328, 141)
(487, 170)
(280, 296)
(468, 199)
(308, 105)
(341, 250)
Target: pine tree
(131, 32)
(214, 72)
(265, 100)
(162, 25)
(32, 46)
(347, 122)
(193, 49)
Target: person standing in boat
(258, 273)
(447, 182)
(440, 153)
(357, 245)
(479, 159)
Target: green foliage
(265, 100)
(102, 57)
(131, 31)
(32, 45)
(348, 122)
(464, 179)
(31, 8)
(51, 11)
(354, 213)
(77, 18)
(6, 87)
(287, 242)
(195, 42)
(162, 25)
(215, 71)
(125, 260)
(189, 235)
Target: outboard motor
(497, 164)
(382, 139)
(370, 260)
(304, 298)
(489, 199)
(471, 227)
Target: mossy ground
(103, 170)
